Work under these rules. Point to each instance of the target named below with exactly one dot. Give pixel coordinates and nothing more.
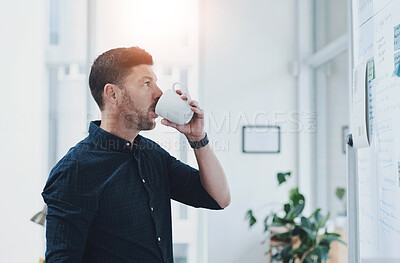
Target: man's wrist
(196, 138)
(199, 143)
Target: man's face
(138, 98)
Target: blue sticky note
(396, 59)
(397, 71)
(396, 64)
(396, 37)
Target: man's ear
(109, 94)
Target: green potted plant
(298, 238)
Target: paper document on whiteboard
(359, 107)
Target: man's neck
(112, 124)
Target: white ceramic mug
(173, 108)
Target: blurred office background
(254, 62)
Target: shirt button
(143, 180)
(152, 209)
(159, 239)
(128, 144)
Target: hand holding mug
(182, 113)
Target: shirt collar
(109, 141)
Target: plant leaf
(324, 252)
(285, 253)
(317, 252)
(308, 227)
(328, 238)
(316, 211)
(323, 221)
(305, 222)
(340, 191)
(286, 207)
(252, 219)
(316, 216)
(295, 197)
(266, 225)
(282, 177)
(295, 211)
(279, 221)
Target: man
(109, 197)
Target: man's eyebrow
(148, 77)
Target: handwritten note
(364, 42)
(382, 41)
(396, 37)
(362, 11)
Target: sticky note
(397, 71)
(396, 37)
(370, 69)
(396, 64)
(396, 59)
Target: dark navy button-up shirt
(111, 202)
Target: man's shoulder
(73, 159)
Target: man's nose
(158, 92)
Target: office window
(183, 212)
(180, 253)
(54, 22)
(67, 107)
(67, 70)
(67, 76)
(82, 69)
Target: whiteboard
(376, 26)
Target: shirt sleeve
(71, 209)
(186, 187)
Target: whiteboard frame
(352, 161)
(273, 129)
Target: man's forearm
(212, 175)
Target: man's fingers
(184, 96)
(194, 103)
(168, 123)
(198, 111)
(171, 124)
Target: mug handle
(184, 89)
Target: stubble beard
(134, 118)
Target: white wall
(332, 81)
(338, 112)
(338, 107)
(23, 118)
(246, 48)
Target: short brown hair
(112, 67)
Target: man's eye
(147, 83)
